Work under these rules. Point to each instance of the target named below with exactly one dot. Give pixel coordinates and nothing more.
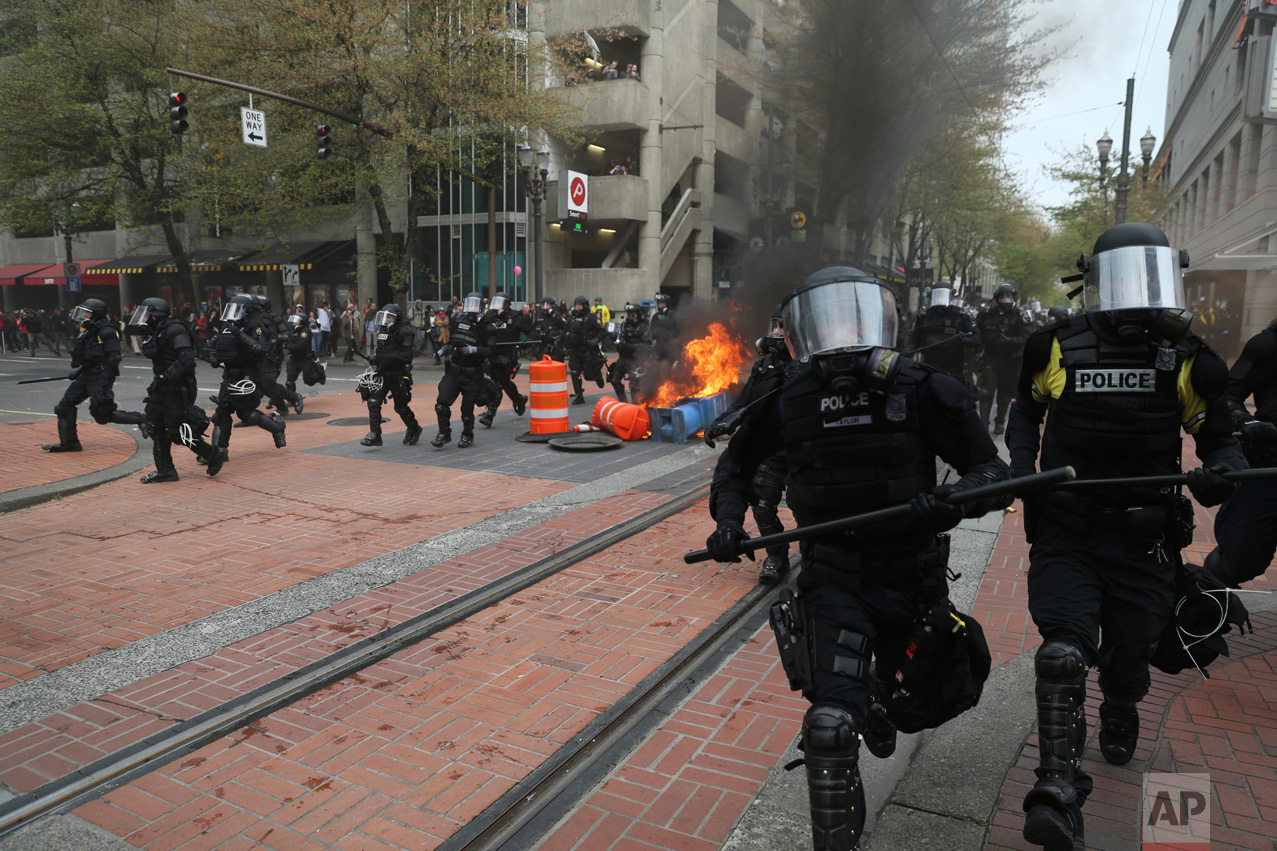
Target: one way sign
(253, 123)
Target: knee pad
(1059, 663)
(767, 518)
(62, 409)
(443, 410)
(830, 731)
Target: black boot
(486, 418)
(278, 431)
(578, 399)
(1119, 730)
(441, 438)
(1052, 820)
(467, 433)
(373, 438)
(1053, 807)
(520, 405)
(213, 458)
(774, 568)
(63, 447)
(412, 435)
(162, 454)
(443, 415)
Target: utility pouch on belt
(1183, 523)
(1146, 522)
(789, 623)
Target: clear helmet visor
(233, 312)
(472, 304)
(840, 315)
(80, 313)
(385, 318)
(140, 316)
(777, 328)
(1132, 277)
(940, 297)
(499, 303)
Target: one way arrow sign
(253, 124)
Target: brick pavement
(408, 751)
(23, 464)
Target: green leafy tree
(84, 103)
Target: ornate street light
(1103, 146)
(537, 166)
(1147, 143)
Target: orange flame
(714, 363)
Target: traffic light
(324, 141)
(177, 114)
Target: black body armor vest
(1119, 400)
(165, 344)
(854, 453)
(97, 345)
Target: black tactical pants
(998, 377)
(97, 388)
(235, 396)
(502, 371)
(1107, 594)
(172, 418)
(472, 386)
(398, 388)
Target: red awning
(10, 275)
(52, 276)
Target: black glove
(1019, 471)
(1208, 486)
(932, 513)
(1258, 434)
(725, 543)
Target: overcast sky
(1105, 42)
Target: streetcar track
(121, 767)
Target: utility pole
(1124, 178)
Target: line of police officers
(852, 426)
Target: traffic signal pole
(277, 96)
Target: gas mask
(849, 372)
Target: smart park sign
(575, 195)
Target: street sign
(798, 220)
(73, 284)
(578, 200)
(292, 275)
(71, 270)
(253, 124)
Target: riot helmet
(389, 316)
(940, 295)
(1057, 313)
(633, 313)
(1004, 297)
(774, 341)
(238, 308)
(1133, 267)
(261, 302)
(91, 310)
(151, 312)
(580, 305)
(500, 302)
(296, 320)
(662, 303)
(472, 304)
(847, 322)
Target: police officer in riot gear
(947, 333)
(504, 329)
(861, 427)
(664, 330)
(243, 340)
(1057, 314)
(633, 344)
(1115, 386)
(1246, 525)
(95, 354)
(585, 355)
(550, 328)
(171, 413)
(302, 361)
(1003, 329)
(759, 474)
(464, 376)
(271, 364)
(392, 363)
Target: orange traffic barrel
(548, 398)
(628, 422)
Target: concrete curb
(36, 494)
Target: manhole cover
(353, 421)
(308, 415)
(586, 442)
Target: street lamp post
(1103, 146)
(1124, 177)
(537, 166)
(1147, 143)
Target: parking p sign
(578, 200)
